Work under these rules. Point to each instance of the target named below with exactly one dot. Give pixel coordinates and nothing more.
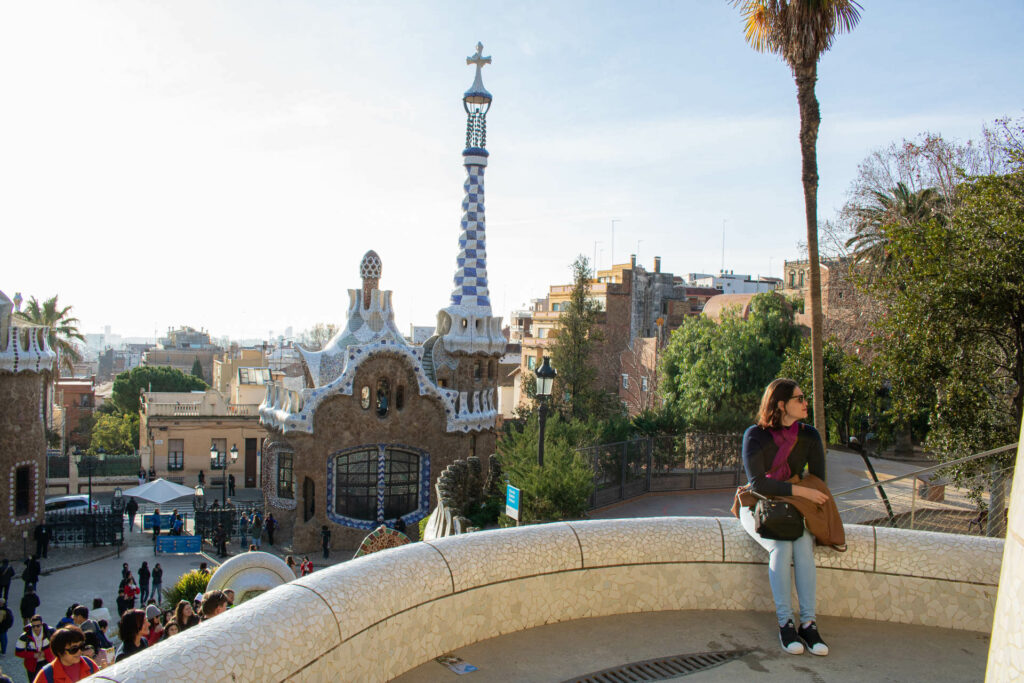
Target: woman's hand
(813, 495)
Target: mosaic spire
(471, 275)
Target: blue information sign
(512, 502)
(179, 544)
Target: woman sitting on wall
(776, 451)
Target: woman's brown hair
(769, 415)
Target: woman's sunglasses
(74, 649)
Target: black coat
(143, 575)
(6, 619)
(32, 571)
(29, 604)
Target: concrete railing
(376, 617)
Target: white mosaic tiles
(486, 557)
(375, 586)
(251, 571)
(640, 541)
(386, 613)
(1006, 651)
(268, 638)
(954, 557)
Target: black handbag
(777, 519)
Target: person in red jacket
(34, 646)
(68, 664)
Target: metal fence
(79, 529)
(206, 521)
(57, 466)
(628, 469)
(113, 466)
(965, 496)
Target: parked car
(73, 503)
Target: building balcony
(201, 410)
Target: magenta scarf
(785, 439)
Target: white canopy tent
(159, 491)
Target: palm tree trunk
(810, 118)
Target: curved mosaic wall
(376, 617)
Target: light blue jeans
(781, 556)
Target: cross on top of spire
(478, 58)
(477, 95)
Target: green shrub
(186, 588)
(559, 490)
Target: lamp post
(89, 463)
(214, 458)
(545, 378)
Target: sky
(226, 165)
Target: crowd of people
(79, 644)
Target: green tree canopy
(575, 341)
(713, 374)
(851, 391)
(953, 340)
(62, 329)
(197, 369)
(559, 490)
(116, 434)
(127, 385)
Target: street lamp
(197, 500)
(545, 378)
(214, 458)
(89, 463)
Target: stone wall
(22, 444)
(442, 595)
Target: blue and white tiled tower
(466, 325)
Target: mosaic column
(471, 273)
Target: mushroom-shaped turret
(369, 270)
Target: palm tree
(62, 329)
(899, 206)
(800, 31)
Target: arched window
(383, 396)
(377, 483)
(364, 398)
(801, 278)
(476, 369)
(399, 397)
(792, 278)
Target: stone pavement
(845, 471)
(861, 650)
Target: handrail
(915, 473)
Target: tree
(850, 389)
(197, 369)
(559, 490)
(713, 374)
(953, 341)
(118, 434)
(62, 330)
(316, 337)
(898, 205)
(575, 341)
(800, 31)
(128, 385)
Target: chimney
(632, 260)
(657, 264)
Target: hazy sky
(226, 164)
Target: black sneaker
(788, 637)
(815, 644)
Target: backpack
(47, 670)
